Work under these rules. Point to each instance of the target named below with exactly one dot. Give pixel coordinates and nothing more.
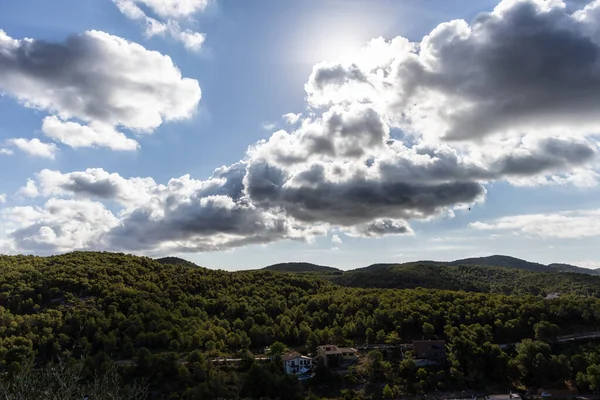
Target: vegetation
(300, 267)
(470, 278)
(166, 322)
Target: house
(509, 396)
(295, 363)
(429, 349)
(333, 356)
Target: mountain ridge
(501, 261)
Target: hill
(572, 268)
(499, 261)
(299, 267)
(473, 278)
(502, 261)
(176, 261)
(166, 322)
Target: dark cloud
(553, 154)
(526, 66)
(381, 227)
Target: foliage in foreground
(65, 381)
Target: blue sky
(251, 67)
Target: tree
(276, 350)
(545, 331)
(388, 392)
(428, 330)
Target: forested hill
(300, 267)
(513, 262)
(494, 261)
(176, 261)
(164, 322)
(469, 278)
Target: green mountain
(300, 267)
(513, 262)
(165, 322)
(176, 261)
(473, 278)
(502, 261)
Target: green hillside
(299, 267)
(470, 278)
(164, 322)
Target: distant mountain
(517, 263)
(300, 267)
(557, 267)
(176, 261)
(470, 278)
(502, 261)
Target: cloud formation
(34, 147)
(168, 15)
(563, 225)
(97, 79)
(529, 65)
(407, 131)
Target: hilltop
(176, 261)
(513, 262)
(300, 267)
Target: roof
(330, 349)
(347, 350)
(291, 356)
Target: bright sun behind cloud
(335, 33)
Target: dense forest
(164, 323)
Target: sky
(238, 134)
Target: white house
(296, 364)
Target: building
(429, 349)
(510, 396)
(333, 356)
(295, 363)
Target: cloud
(2, 198)
(29, 190)
(34, 147)
(268, 126)
(379, 147)
(184, 215)
(563, 225)
(528, 65)
(76, 135)
(59, 225)
(6, 152)
(291, 118)
(335, 239)
(168, 13)
(101, 80)
(379, 228)
(174, 8)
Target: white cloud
(2, 198)
(102, 80)
(268, 126)
(60, 225)
(563, 225)
(76, 135)
(34, 147)
(29, 190)
(174, 8)
(7, 152)
(335, 239)
(168, 14)
(291, 118)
